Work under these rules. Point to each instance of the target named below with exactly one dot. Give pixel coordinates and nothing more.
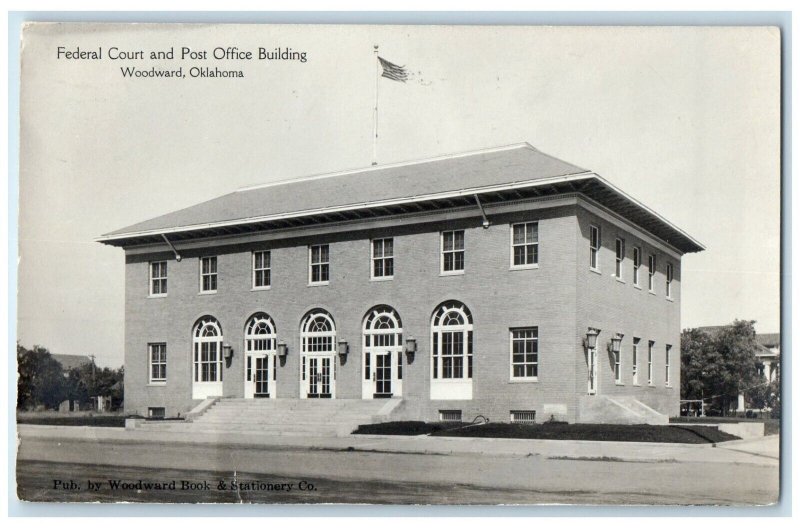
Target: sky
(686, 120)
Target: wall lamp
(282, 349)
(614, 344)
(590, 341)
(342, 348)
(227, 351)
(411, 348)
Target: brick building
(502, 282)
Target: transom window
(651, 272)
(452, 341)
(453, 251)
(260, 334)
(525, 244)
(669, 280)
(619, 250)
(157, 353)
(594, 247)
(637, 263)
(525, 353)
(208, 274)
(207, 344)
(382, 258)
(319, 264)
(158, 278)
(262, 270)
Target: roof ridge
(323, 175)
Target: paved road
(405, 471)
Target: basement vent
(450, 415)
(156, 412)
(525, 417)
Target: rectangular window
(666, 365)
(525, 417)
(617, 368)
(651, 272)
(619, 249)
(383, 258)
(156, 412)
(594, 247)
(208, 274)
(637, 263)
(453, 251)
(319, 264)
(525, 245)
(157, 353)
(262, 269)
(650, 362)
(450, 415)
(525, 353)
(158, 278)
(669, 281)
(635, 361)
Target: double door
(318, 376)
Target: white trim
(513, 266)
(453, 251)
(150, 279)
(583, 175)
(523, 378)
(215, 274)
(254, 270)
(327, 263)
(156, 381)
(595, 250)
(383, 258)
(353, 207)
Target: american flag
(393, 71)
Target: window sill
(670, 299)
(637, 286)
(157, 384)
(651, 292)
(381, 279)
(619, 384)
(450, 273)
(451, 380)
(525, 267)
(156, 295)
(621, 281)
(209, 292)
(323, 283)
(260, 288)
(596, 270)
(524, 380)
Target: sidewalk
(761, 451)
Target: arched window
(451, 330)
(318, 332)
(207, 347)
(260, 334)
(382, 328)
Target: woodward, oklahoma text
(195, 71)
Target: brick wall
(560, 298)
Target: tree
(40, 381)
(719, 364)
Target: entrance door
(319, 379)
(382, 376)
(592, 360)
(260, 378)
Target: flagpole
(375, 113)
